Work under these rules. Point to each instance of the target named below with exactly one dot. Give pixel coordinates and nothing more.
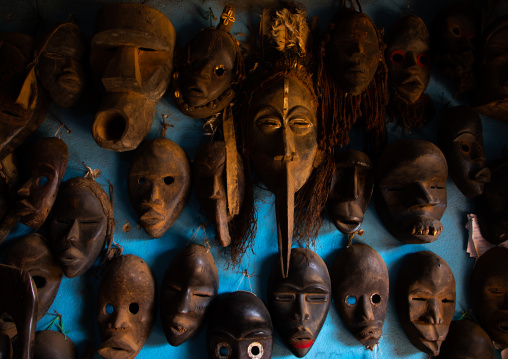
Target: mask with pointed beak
(466, 340)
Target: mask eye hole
(219, 71)
(168, 180)
(464, 147)
(351, 300)
(423, 60)
(40, 282)
(141, 180)
(456, 31)
(109, 309)
(223, 350)
(134, 308)
(375, 298)
(397, 57)
(42, 181)
(255, 350)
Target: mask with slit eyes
(239, 328)
(53, 345)
(159, 184)
(360, 292)
(425, 298)
(126, 307)
(189, 286)
(299, 303)
(411, 190)
(466, 340)
(132, 57)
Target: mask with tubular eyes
(425, 298)
(159, 184)
(299, 303)
(466, 340)
(411, 190)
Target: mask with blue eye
(239, 327)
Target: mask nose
(24, 191)
(301, 309)
(123, 71)
(217, 190)
(423, 198)
(72, 235)
(349, 186)
(155, 194)
(120, 320)
(365, 312)
(288, 143)
(433, 313)
(183, 305)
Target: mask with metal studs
(466, 340)
(53, 345)
(159, 184)
(239, 328)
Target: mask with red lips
(126, 307)
(425, 299)
(299, 303)
(360, 292)
(466, 340)
(159, 184)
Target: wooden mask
(189, 286)
(360, 292)
(466, 340)
(159, 184)
(239, 328)
(9, 181)
(411, 190)
(299, 303)
(126, 307)
(461, 140)
(47, 165)
(53, 345)
(132, 55)
(425, 299)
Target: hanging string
(59, 326)
(245, 274)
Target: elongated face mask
(411, 177)
(159, 184)
(299, 303)
(53, 345)
(126, 307)
(466, 340)
(360, 291)
(425, 295)
(132, 54)
(461, 140)
(189, 286)
(350, 190)
(239, 328)
(47, 166)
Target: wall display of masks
(138, 93)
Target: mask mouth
(348, 224)
(110, 125)
(151, 216)
(178, 328)
(424, 229)
(369, 332)
(433, 345)
(70, 80)
(115, 348)
(302, 339)
(482, 176)
(71, 256)
(24, 208)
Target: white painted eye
(223, 350)
(255, 350)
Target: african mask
(53, 345)
(466, 340)
(208, 69)
(489, 290)
(492, 206)
(126, 307)
(411, 186)
(211, 185)
(425, 299)
(132, 54)
(350, 190)
(47, 165)
(239, 328)
(159, 184)
(9, 178)
(360, 291)
(189, 286)
(299, 303)
(461, 140)
(82, 222)
(60, 68)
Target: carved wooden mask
(9, 178)
(53, 345)
(466, 340)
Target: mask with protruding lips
(425, 299)
(466, 340)
(159, 184)
(360, 292)
(411, 190)
(126, 307)
(299, 303)
(53, 345)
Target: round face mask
(159, 184)
(53, 345)
(126, 307)
(79, 225)
(353, 51)
(299, 303)
(408, 46)
(239, 328)
(460, 138)
(466, 340)
(425, 295)
(189, 286)
(350, 190)
(360, 291)
(47, 166)
(411, 177)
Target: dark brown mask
(461, 140)
(350, 190)
(425, 295)
(411, 186)
(126, 307)
(159, 184)
(466, 340)
(211, 187)
(82, 222)
(239, 328)
(360, 291)
(53, 345)
(47, 165)
(299, 303)
(9, 179)
(132, 54)
(189, 286)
